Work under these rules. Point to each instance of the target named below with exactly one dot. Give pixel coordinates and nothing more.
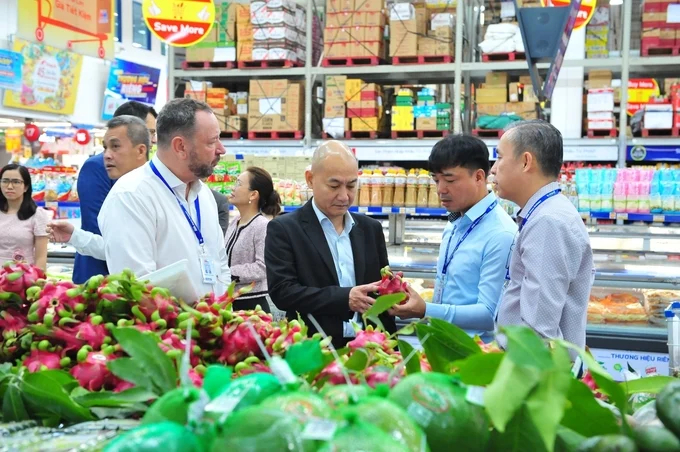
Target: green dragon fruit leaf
(358, 361)
(306, 357)
(115, 399)
(382, 304)
(413, 364)
(13, 408)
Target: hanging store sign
(585, 12)
(656, 153)
(49, 82)
(179, 24)
(82, 137)
(85, 27)
(129, 81)
(32, 132)
(640, 91)
(10, 70)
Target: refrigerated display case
(637, 276)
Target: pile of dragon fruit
(60, 325)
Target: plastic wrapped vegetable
(303, 405)
(339, 395)
(241, 393)
(172, 406)
(163, 436)
(356, 435)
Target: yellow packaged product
(423, 189)
(411, 189)
(365, 182)
(399, 188)
(377, 182)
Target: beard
(198, 169)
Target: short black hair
(133, 108)
(178, 118)
(542, 140)
(28, 206)
(463, 151)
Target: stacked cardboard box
(278, 30)
(280, 167)
(354, 28)
(220, 43)
(403, 116)
(657, 31)
(600, 109)
(352, 104)
(407, 23)
(244, 33)
(439, 38)
(275, 106)
(597, 34)
(429, 114)
(197, 90)
(500, 97)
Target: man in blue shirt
(475, 244)
(93, 186)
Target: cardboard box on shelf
(599, 79)
(491, 109)
(366, 124)
(236, 123)
(197, 90)
(244, 32)
(334, 6)
(242, 13)
(354, 108)
(275, 105)
(651, 33)
(404, 45)
(374, 19)
(496, 79)
(374, 49)
(515, 92)
(654, 17)
(493, 95)
(358, 19)
(372, 33)
(426, 123)
(525, 79)
(244, 51)
(337, 50)
(528, 94)
(337, 20)
(657, 118)
(353, 88)
(600, 100)
(370, 5)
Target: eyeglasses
(13, 182)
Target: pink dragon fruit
(121, 385)
(333, 375)
(92, 373)
(366, 338)
(171, 341)
(159, 304)
(196, 378)
(90, 332)
(237, 344)
(391, 282)
(376, 375)
(425, 364)
(12, 322)
(61, 298)
(17, 278)
(42, 360)
(251, 365)
(284, 336)
(590, 382)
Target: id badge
(438, 290)
(208, 269)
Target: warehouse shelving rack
(459, 73)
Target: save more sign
(585, 12)
(179, 23)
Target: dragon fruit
(371, 338)
(285, 335)
(590, 382)
(251, 365)
(332, 374)
(17, 278)
(491, 347)
(43, 360)
(12, 322)
(196, 378)
(61, 298)
(238, 343)
(376, 375)
(121, 385)
(159, 304)
(171, 341)
(92, 373)
(391, 282)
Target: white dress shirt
(88, 244)
(144, 229)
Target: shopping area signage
(655, 153)
(179, 23)
(129, 81)
(85, 27)
(10, 70)
(585, 12)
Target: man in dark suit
(323, 260)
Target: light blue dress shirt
(474, 280)
(343, 257)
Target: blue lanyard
(447, 259)
(541, 200)
(194, 227)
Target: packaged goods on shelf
(355, 99)
(280, 167)
(407, 23)
(225, 175)
(197, 90)
(502, 38)
(597, 34)
(600, 109)
(658, 116)
(621, 307)
(54, 183)
(402, 111)
(354, 30)
(220, 43)
(438, 40)
(275, 105)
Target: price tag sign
(622, 216)
(659, 218)
(612, 215)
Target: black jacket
(301, 274)
(222, 209)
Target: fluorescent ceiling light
(53, 124)
(615, 2)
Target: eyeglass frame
(13, 182)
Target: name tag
(207, 269)
(438, 290)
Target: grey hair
(136, 130)
(178, 118)
(542, 140)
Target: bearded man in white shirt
(161, 213)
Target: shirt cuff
(438, 311)
(79, 238)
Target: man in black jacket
(321, 259)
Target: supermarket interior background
(390, 79)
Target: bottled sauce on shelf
(423, 189)
(433, 201)
(365, 182)
(388, 188)
(377, 182)
(411, 189)
(399, 188)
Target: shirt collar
(542, 191)
(478, 209)
(348, 220)
(174, 181)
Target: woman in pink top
(256, 200)
(23, 224)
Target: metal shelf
(235, 74)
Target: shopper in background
(550, 270)
(163, 213)
(222, 209)
(321, 259)
(126, 147)
(475, 245)
(94, 184)
(22, 222)
(255, 199)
